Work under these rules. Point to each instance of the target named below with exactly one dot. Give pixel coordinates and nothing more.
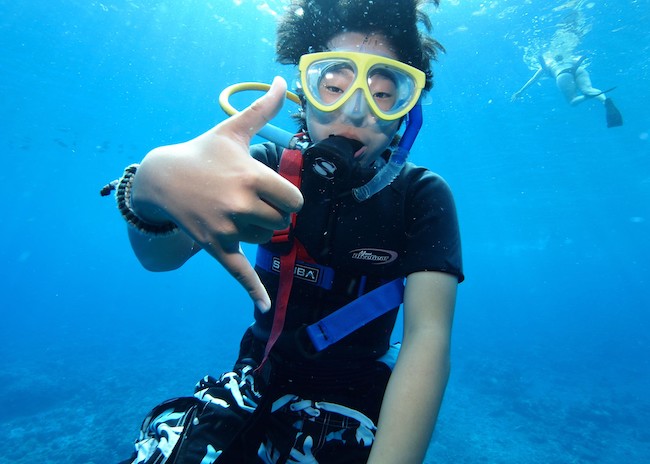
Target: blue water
(551, 345)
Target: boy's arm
(217, 194)
(417, 384)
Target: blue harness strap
(356, 314)
(322, 276)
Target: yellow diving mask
(391, 88)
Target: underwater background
(551, 343)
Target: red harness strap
(290, 169)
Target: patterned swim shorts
(237, 419)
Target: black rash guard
(407, 227)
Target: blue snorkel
(397, 159)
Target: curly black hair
(309, 25)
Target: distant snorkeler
(574, 82)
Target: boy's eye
(383, 90)
(333, 88)
(334, 83)
(380, 95)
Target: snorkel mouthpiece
(333, 159)
(397, 159)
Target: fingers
(256, 200)
(272, 188)
(248, 122)
(235, 262)
(280, 193)
(267, 217)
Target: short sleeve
(432, 226)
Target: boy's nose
(356, 108)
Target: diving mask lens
(391, 88)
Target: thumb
(232, 258)
(248, 122)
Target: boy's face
(355, 120)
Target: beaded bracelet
(123, 198)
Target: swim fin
(612, 114)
